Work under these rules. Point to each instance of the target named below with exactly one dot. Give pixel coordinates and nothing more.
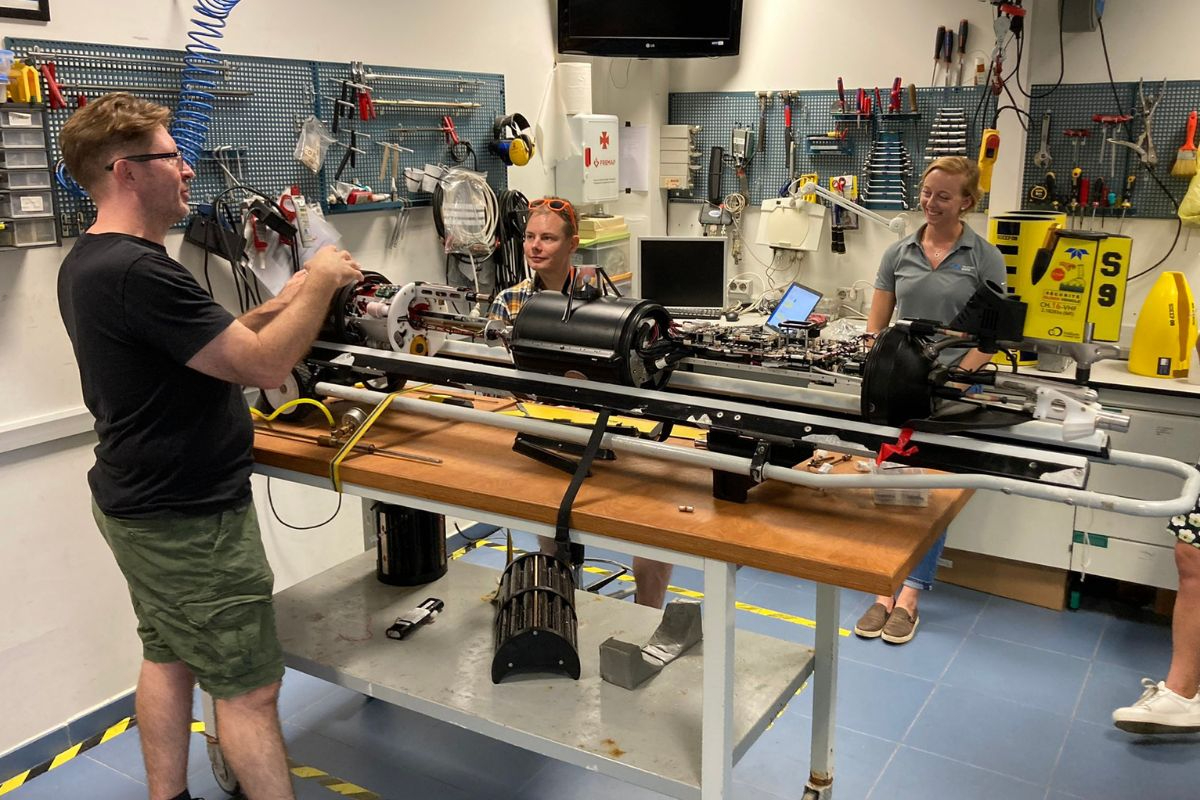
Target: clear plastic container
(899, 497)
(613, 256)
(22, 137)
(18, 159)
(20, 118)
(25, 179)
(29, 233)
(17, 204)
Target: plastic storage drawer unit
(14, 118)
(21, 159)
(25, 179)
(29, 233)
(23, 137)
(18, 204)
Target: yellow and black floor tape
(330, 782)
(17, 781)
(679, 590)
(334, 784)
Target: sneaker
(900, 626)
(1159, 710)
(870, 624)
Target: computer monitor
(683, 270)
(795, 306)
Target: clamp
(1144, 146)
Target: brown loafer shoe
(900, 627)
(871, 623)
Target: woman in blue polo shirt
(931, 275)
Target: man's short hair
(95, 134)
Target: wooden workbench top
(839, 537)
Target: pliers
(1144, 146)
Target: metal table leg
(716, 745)
(820, 778)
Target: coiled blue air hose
(199, 77)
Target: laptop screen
(683, 270)
(795, 306)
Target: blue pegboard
(472, 100)
(814, 113)
(260, 106)
(1073, 106)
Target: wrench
(1043, 158)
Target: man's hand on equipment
(291, 288)
(333, 265)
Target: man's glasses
(147, 157)
(556, 204)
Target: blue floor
(992, 699)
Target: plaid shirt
(507, 305)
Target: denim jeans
(926, 569)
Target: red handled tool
(52, 87)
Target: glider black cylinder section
(536, 627)
(895, 385)
(410, 545)
(600, 340)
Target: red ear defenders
(512, 140)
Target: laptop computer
(795, 306)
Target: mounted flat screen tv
(650, 28)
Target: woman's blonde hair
(964, 167)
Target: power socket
(739, 290)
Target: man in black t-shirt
(162, 368)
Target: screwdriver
(937, 51)
(1127, 199)
(1084, 185)
(962, 48)
(841, 96)
(948, 55)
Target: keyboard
(695, 312)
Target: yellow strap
(254, 412)
(348, 447)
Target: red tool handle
(52, 87)
(448, 129)
(787, 116)
(894, 99)
(1190, 144)
(841, 95)
(1084, 186)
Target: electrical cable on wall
(199, 78)
(1149, 170)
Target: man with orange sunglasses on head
(551, 237)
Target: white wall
(67, 607)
